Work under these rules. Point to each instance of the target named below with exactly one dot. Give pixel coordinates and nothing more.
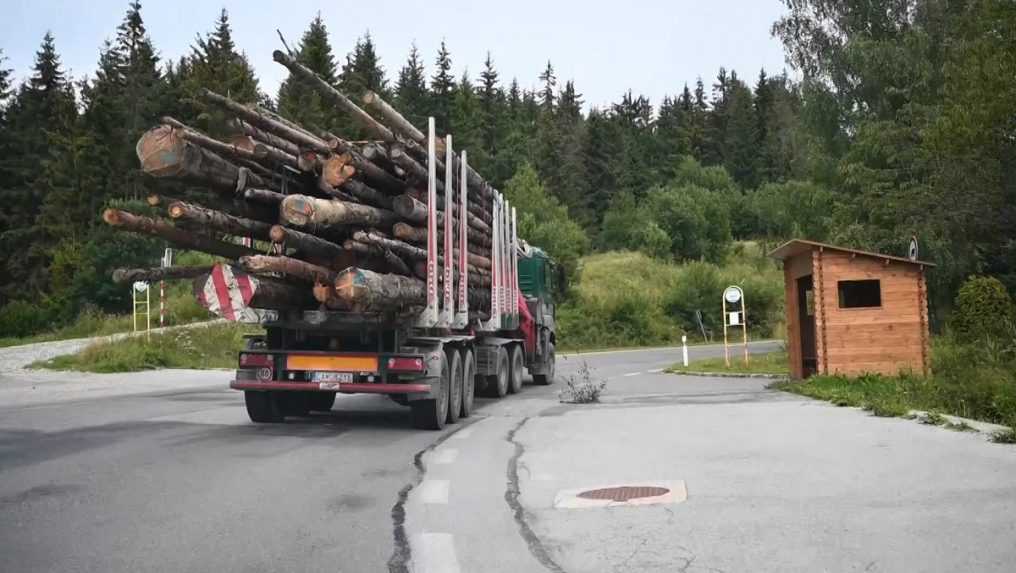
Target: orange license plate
(331, 363)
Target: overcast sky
(650, 46)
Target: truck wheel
(548, 373)
(320, 401)
(468, 381)
(515, 369)
(431, 414)
(454, 384)
(497, 384)
(263, 407)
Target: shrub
(983, 309)
(20, 318)
(582, 387)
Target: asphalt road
(163, 472)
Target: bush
(20, 318)
(582, 387)
(984, 310)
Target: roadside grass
(774, 363)
(968, 381)
(181, 308)
(200, 347)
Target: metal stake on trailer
(429, 316)
(462, 310)
(447, 310)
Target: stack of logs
(308, 218)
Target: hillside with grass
(625, 298)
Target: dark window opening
(860, 294)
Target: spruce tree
(5, 85)
(491, 112)
(740, 145)
(216, 64)
(411, 96)
(297, 99)
(42, 116)
(466, 123)
(549, 81)
(442, 89)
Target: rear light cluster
(250, 360)
(405, 364)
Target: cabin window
(860, 294)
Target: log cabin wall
(887, 338)
(793, 269)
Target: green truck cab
(539, 280)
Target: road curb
(727, 374)
(987, 428)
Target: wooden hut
(851, 311)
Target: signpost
(733, 297)
(142, 305)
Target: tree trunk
(393, 118)
(336, 170)
(476, 279)
(367, 194)
(128, 276)
(416, 253)
(476, 243)
(237, 207)
(263, 121)
(334, 96)
(412, 210)
(320, 214)
(288, 266)
(180, 238)
(364, 290)
(267, 138)
(392, 261)
(230, 292)
(307, 245)
(263, 196)
(222, 222)
(165, 153)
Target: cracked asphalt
(162, 471)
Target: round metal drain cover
(623, 493)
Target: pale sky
(650, 46)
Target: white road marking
(632, 374)
(434, 553)
(462, 434)
(445, 456)
(434, 491)
(656, 370)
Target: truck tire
(431, 414)
(320, 401)
(497, 384)
(468, 381)
(548, 376)
(516, 365)
(263, 407)
(454, 362)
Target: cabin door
(806, 318)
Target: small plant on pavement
(582, 387)
(1005, 436)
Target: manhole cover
(623, 493)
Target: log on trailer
(183, 239)
(313, 213)
(165, 153)
(261, 264)
(128, 276)
(230, 292)
(363, 290)
(218, 221)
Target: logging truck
(432, 359)
(382, 266)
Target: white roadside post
(167, 261)
(684, 349)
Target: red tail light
(250, 360)
(405, 364)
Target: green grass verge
(212, 346)
(771, 363)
